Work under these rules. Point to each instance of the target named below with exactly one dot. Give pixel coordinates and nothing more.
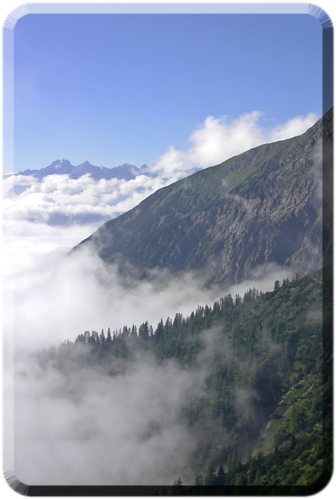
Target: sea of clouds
(51, 296)
(59, 199)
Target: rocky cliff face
(258, 208)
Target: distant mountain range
(64, 167)
(261, 207)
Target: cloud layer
(60, 200)
(90, 428)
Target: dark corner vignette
(12, 488)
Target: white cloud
(54, 295)
(75, 200)
(219, 139)
(293, 127)
(58, 199)
(89, 428)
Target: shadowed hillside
(258, 208)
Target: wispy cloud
(86, 427)
(293, 127)
(218, 139)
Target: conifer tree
(144, 331)
(249, 455)
(220, 472)
(159, 331)
(210, 474)
(198, 479)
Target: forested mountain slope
(260, 359)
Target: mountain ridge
(255, 209)
(125, 171)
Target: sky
(120, 88)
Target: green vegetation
(265, 370)
(299, 462)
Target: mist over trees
(239, 382)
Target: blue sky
(124, 88)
